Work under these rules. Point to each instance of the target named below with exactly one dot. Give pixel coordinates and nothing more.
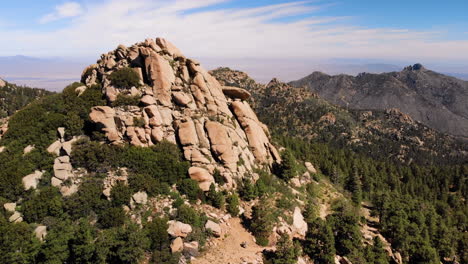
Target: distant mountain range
(383, 134)
(56, 73)
(437, 100)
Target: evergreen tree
(319, 242)
(286, 251)
(262, 221)
(353, 185)
(233, 204)
(215, 198)
(288, 168)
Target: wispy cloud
(260, 32)
(66, 10)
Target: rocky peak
(415, 67)
(2, 83)
(180, 102)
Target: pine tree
(288, 165)
(286, 251)
(233, 204)
(320, 243)
(353, 185)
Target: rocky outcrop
(41, 232)
(64, 177)
(177, 245)
(16, 217)
(182, 103)
(139, 198)
(32, 180)
(2, 83)
(10, 207)
(236, 93)
(178, 229)
(310, 168)
(28, 149)
(214, 227)
(191, 249)
(299, 224)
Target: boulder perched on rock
(178, 229)
(179, 101)
(236, 93)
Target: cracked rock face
(182, 103)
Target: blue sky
(431, 32)
(416, 14)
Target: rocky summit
(176, 100)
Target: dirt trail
(228, 250)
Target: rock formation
(182, 103)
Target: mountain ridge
(385, 133)
(435, 99)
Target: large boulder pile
(182, 103)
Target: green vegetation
(151, 169)
(190, 188)
(124, 100)
(125, 78)
(15, 97)
(263, 219)
(320, 242)
(286, 252)
(233, 204)
(215, 198)
(422, 209)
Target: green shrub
(188, 215)
(46, 202)
(120, 194)
(124, 100)
(215, 198)
(112, 217)
(286, 252)
(17, 236)
(233, 204)
(190, 188)
(125, 78)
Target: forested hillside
(14, 97)
(414, 177)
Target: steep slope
(381, 133)
(437, 100)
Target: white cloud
(225, 33)
(66, 10)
